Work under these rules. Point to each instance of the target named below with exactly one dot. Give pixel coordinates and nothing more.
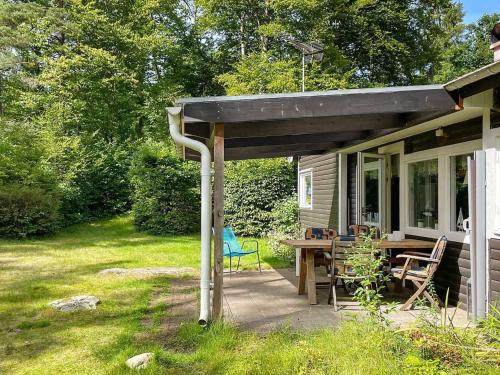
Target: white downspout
(174, 120)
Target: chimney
(495, 42)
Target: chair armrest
(228, 246)
(418, 253)
(416, 257)
(250, 241)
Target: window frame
(443, 155)
(302, 175)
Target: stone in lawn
(139, 361)
(76, 303)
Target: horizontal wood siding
(494, 271)
(462, 132)
(324, 212)
(453, 272)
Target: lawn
(38, 340)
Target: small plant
(366, 262)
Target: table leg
(311, 277)
(303, 272)
(297, 261)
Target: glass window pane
(423, 194)
(305, 190)
(308, 190)
(459, 192)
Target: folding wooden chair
(420, 276)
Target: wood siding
(324, 211)
(462, 132)
(494, 271)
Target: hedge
(166, 196)
(26, 211)
(252, 189)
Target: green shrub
(26, 211)
(252, 189)
(285, 224)
(166, 197)
(96, 181)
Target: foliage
(29, 198)
(366, 261)
(389, 42)
(23, 158)
(166, 197)
(83, 84)
(285, 226)
(252, 189)
(259, 74)
(27, 211)
(468, 50)
(96, 181)
(438, 340)
(88, 81)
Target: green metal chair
(232, 248)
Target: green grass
(37, 340)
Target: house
(417, 161)
(423, 181)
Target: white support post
(478, 249)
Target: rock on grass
(139, 361)
(76, 303)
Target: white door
(371, 189)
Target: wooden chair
(321, 257)
(340, 269)
(358, 229)
(420, 276)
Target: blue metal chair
(232, 248)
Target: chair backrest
(357, 230)
(340, 252)
(437, 254)
(320, 234)
(231, 240)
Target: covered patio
(298, 124)
(267, 300)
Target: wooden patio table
(309, 247)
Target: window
(423, 194)
(305, 189)
(459, 204)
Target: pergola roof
(261, 126)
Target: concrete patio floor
(267, 300)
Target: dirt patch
(150, 271)
(169, 308)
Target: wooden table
(309, 248)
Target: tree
(92, 79)
(390, 42)
(469, 51)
